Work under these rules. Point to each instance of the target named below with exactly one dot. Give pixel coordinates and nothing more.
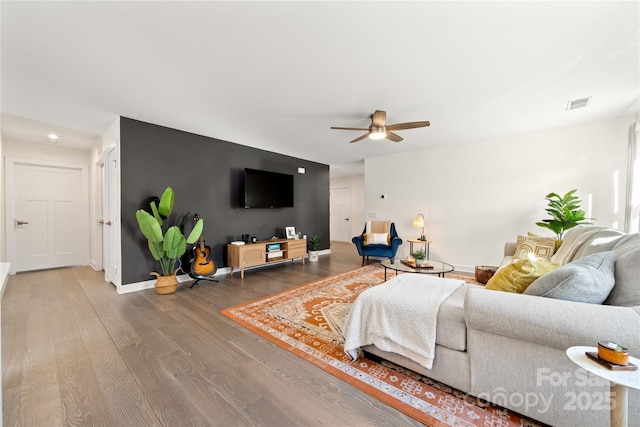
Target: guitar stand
(197, 279)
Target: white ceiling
(277, 75)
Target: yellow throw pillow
(515, 277)
(541, 247)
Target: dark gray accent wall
(206, 175)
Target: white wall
(50, 152)
(477, 196)
(3, 243)
(356, 184)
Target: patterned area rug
(307, 321)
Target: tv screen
(264, 189)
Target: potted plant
(166, 243)
(420, 256)
(565, 213)
(314, 246)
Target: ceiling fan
(380, 130)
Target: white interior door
(47, 214)
(110, 217)
(98, 258)
(340, 214)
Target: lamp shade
(418, 221)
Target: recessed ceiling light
(52, 137)
(578, 103)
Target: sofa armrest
(510, 248)
(395, 243)
(551, 322)
(358, 241)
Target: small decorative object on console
(290, 232)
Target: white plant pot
(313, 256)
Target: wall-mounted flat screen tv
(263, 189)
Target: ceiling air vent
(578, 103)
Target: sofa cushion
(541, 247)
(451, 330)
(589, 279)
(626, 291)
(518, 275)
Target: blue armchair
(386, 251)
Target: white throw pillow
(376, 239)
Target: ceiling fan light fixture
(380, 130)
(378, 133)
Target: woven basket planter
(484, 273)
(166, 284)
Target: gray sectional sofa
(510, 348)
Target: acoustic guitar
(202, 264)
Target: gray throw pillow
(626, 292)
(589, 279)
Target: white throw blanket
(573, 241)
(399, 316)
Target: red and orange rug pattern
(307, 320)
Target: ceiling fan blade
(393, 137)
(409, 125)
(339, 128)
(379, 118)
(360, 138)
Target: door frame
(111, 209)
(10, 199)
(98, 209)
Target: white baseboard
(149, 284)
(5, 268)
(471, 269)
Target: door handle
(108, 222)
(18, 222)
(346, 219)
(100, 221)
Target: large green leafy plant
(166, 246)
(565, 213)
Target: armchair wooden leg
(363, 261)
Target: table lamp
(418, 222)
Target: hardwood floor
(74, 352)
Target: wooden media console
(264, 252)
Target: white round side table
(620, 381)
